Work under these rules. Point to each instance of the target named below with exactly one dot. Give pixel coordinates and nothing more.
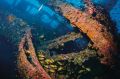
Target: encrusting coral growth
(28, 64)
(56, 43)
(88, 22)
(59, 66)
(98, 33)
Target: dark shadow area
(70, 47)
(7, 59)
(110, 4)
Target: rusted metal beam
(27, 63)
(100, 36)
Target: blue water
(41, 16)
(38, 8)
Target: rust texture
(98, 33)
(28, 64)
(61, 40)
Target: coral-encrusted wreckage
(100, 36)
(28, 63)
(88, 22)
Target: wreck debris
(82, 54)
(60, 65)
(101, 15)
(29, 68)
(61, 40)
(98, 33)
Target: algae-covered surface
(59, 39)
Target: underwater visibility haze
(59, 39)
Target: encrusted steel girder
(98, 33)
(61, 40)
(28, 64)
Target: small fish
(42, 36)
